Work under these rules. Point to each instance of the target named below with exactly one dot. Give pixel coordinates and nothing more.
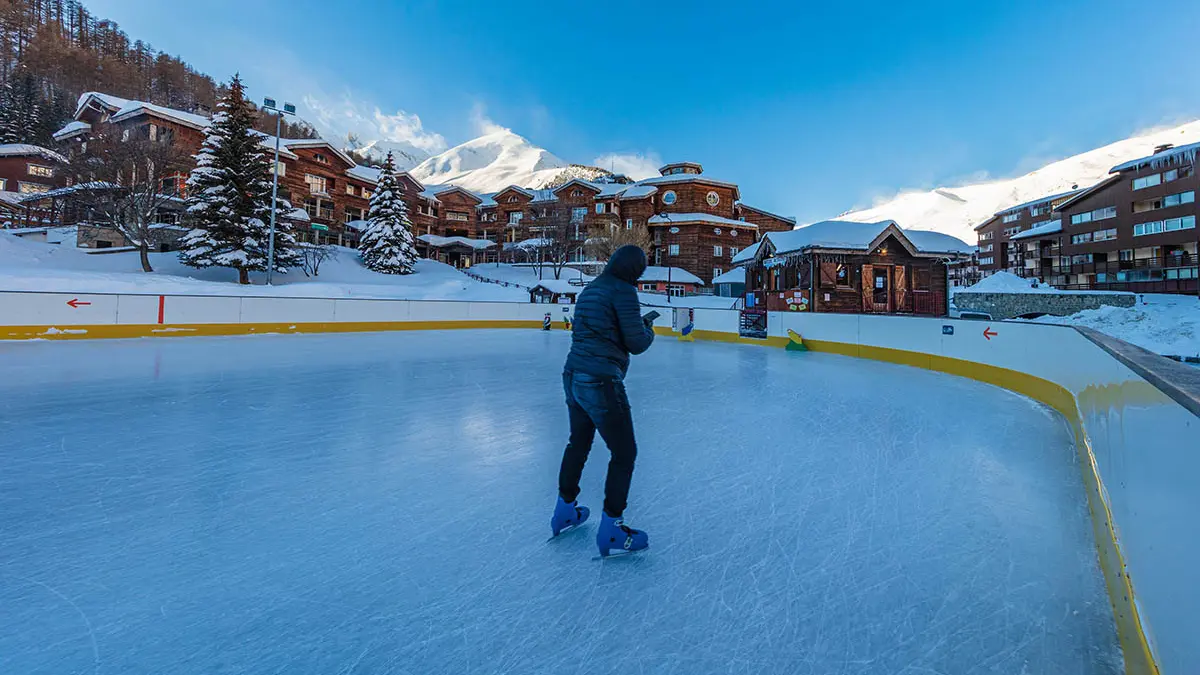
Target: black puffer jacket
(608, 321)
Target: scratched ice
(378, 503)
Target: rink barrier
(1137, 490)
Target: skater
(607, 329)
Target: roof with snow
(689, 178)
(439, 242)
(844, 234)
(28, 150)
(432, 191)
(367, 173)
(360, 225)
(1087, 192)
(736, 275)
(1039, 200)
(71, 129)
(1048, 227)
(673, 218)
(637, 191)
(1184, 153)
(560, 286)
(10, 198)
(674, 274)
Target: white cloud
(345, 115)
(482, 123)
(636, 165)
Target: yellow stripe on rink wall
(117, 331)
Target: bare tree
(312, 255)
(123, 182)
(560, 232)
(606, 238)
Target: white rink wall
(1144, 444)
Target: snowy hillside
(32, 266)
(404, 154)
(956, 210)
(495, 161)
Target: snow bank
(1164, 324)
(33, 266)
(1007, 282)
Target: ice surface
(379, 503)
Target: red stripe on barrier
(162, 302)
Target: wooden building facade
(871, 268)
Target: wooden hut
(841, 266)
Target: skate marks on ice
(379, 503)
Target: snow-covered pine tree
(387, 245)
(229, 196)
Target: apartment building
(1134, 231)
(998, 250)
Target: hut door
(900, 284)
(868, 281)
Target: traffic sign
(318, 226)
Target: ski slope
(380, 502)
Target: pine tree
(229, 196)
(9, 123)
(387, 245)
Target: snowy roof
(766, 213)
(360, 225)
(1039, 200)
(71, 128)
(168, 226)
(297, 214)
(844, 234)
(438, 241)
(544, 195)
(432, 191)
(9, 197)
(686, 178)
(637, 191)
(1186, 152)
(703, 217)
(677, 275)
(28, 150)
(598, 187)
(367, 173)
(71, 189)
(107, 100)
(736, 275)
(134, 108)
(1087, 192)
(318, 143)
(1049, 227)
(528, 244)
(560, 286)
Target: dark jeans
(598, 404)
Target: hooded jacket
(608, 324)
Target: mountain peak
(491, 162)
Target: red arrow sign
(76, 302)
(988, 333)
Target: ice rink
(379, 503)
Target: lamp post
(667, 217)
(288, 109)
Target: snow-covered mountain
(494, 161)
(404, 154)
(957, 210)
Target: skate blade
(622, 554)
(569, 528)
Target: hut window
(921, 279)
(842, 274)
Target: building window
(366, 194)
(712, 198)
(32, 188)
(576, 193)
(629, 223)
(1147, 181)
(316, 184)
(647, 286)
(320, 158)
(1012, 217)
(717, 251)
(456, 215)
(672, 249)
(600, 208)
(1125, 254)
(1104, 235)
(984, 236)
(1097, 214)
(717, 272)
(349, 189)
(986, 249)
(512, 200)
(733, 251)
(987, 261)
(41, 171)
(578, 214)
(353, 214)
(1168, 225)
(514, 217)
(3, 184)
(280, 169)
(1011, 231)
(1039, 210)
(1164, 202)
(669, 197)
(1081, 238)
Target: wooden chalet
(837, 266)
(556, 291)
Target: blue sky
(812, 109)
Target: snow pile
(957, 210)
(1164, 324)
(1007, 282)
(33, 266)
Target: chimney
(1163, 147)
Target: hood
(627, 264)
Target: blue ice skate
(617, 538)
(567, 516)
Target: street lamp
(288, 109)
(667, 217)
